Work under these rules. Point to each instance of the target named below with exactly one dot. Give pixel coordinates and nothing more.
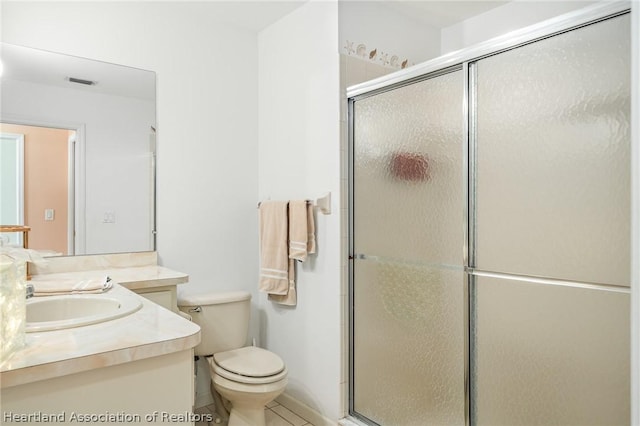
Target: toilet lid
(250, 361)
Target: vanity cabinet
(135, 369)
(165, 296)
(150, 391)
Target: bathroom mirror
(86, 180)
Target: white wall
(206, 116)
(502, 20)
(377, 26)
(299, 157)
(117, 160)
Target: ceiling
(47, 68)
(53, 69)
(254, 15)
(258, 14)
(442, 13)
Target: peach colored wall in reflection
(45, 184)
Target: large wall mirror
(77, 153)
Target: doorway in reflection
(39, 188)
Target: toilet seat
(250, 365)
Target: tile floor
(276, 415)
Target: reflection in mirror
(78, 142)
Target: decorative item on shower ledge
(387, 60)
(410, 166)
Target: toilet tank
(223, 319)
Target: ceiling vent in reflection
(410, 166)
(82, 81)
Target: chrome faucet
(29, 291)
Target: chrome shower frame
(465, 59)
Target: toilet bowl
(247, 377)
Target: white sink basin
(57, 312)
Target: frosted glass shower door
(408, 282)
(553, 149)
(551, 327)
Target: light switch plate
(109, 217)
(49, 214)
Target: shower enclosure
(490, 233)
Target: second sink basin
(58, 312)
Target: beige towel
(302, 239)
(60, 287)
(311, 230)
(287, 233)
(274, 255)
(291, 298)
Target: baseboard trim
(303, 410)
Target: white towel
(60, 287)
(274, 255)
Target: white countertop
(133, 278)
(152, 331)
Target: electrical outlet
(109, 217)
(49, 214)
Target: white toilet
(248, 377)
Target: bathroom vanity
(134, 369)
(138, 272)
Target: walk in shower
(490, 232)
